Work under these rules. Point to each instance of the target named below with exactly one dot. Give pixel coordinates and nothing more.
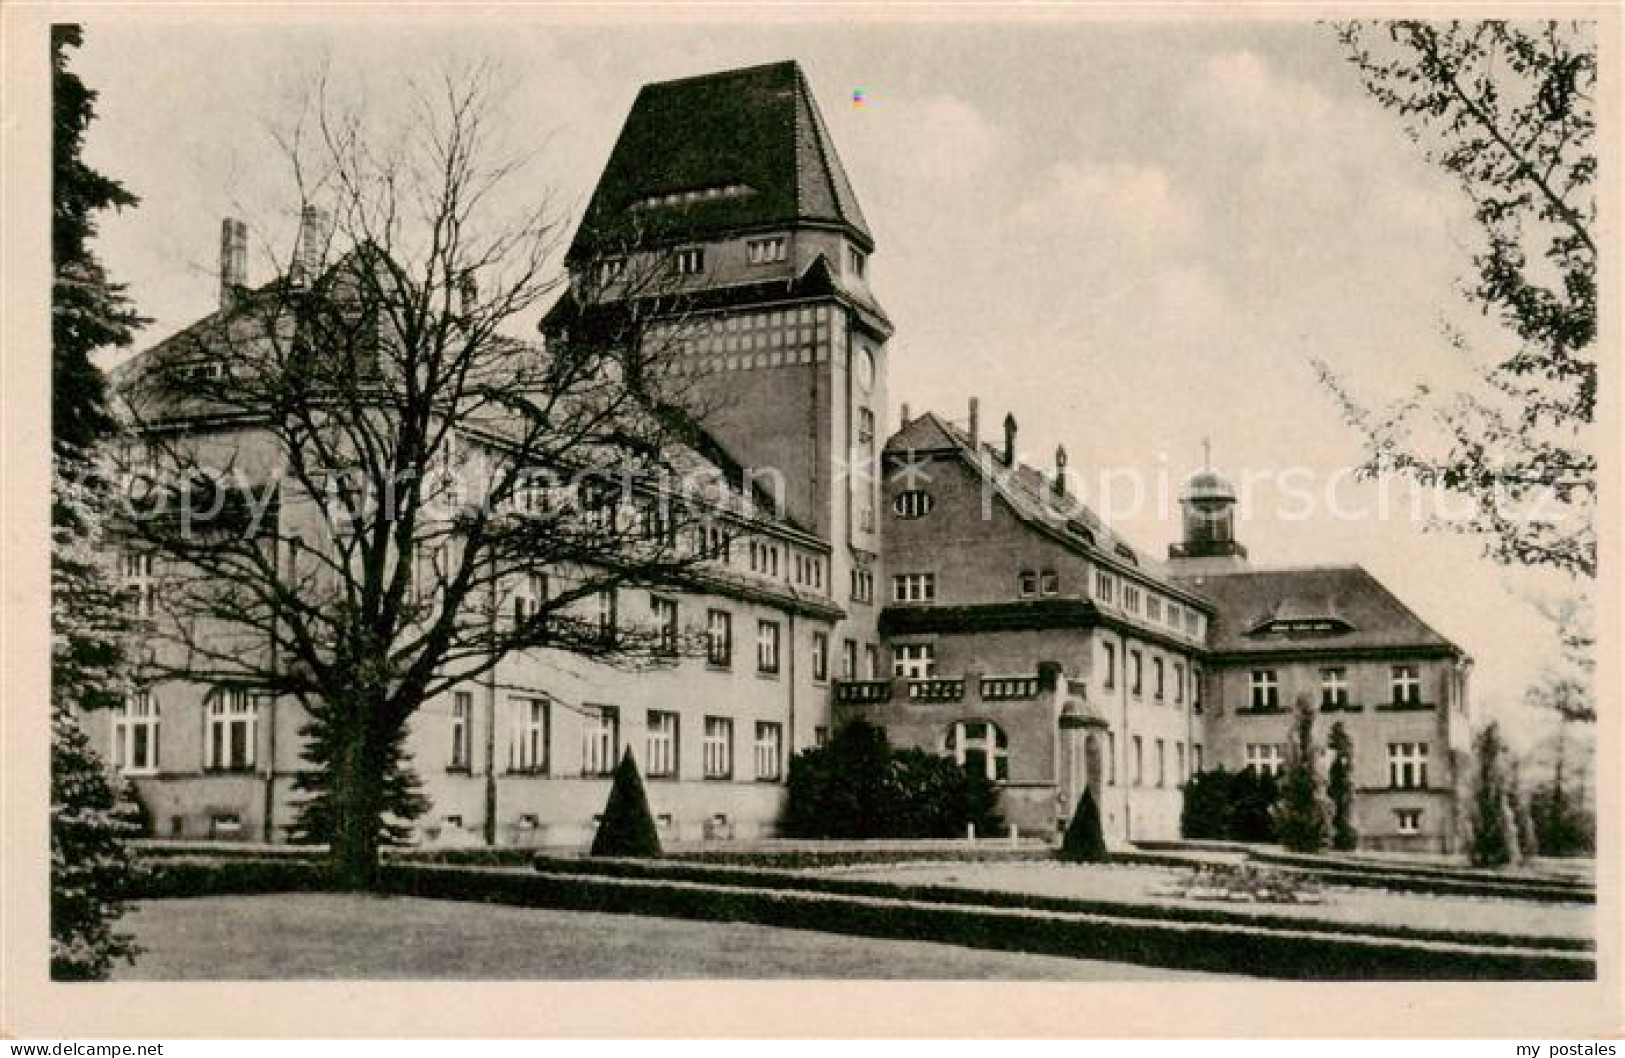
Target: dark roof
(752, 137)
(1266, 611)
(1031, 494)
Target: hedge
(941, 894)
(1298, 954)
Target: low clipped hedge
(234, 876)
(665, 870)
(1299, 954)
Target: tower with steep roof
(728, 191)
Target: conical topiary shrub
(1084, 842)
(627, 827)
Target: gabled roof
(718, 153)
(1031, 495)
(1253, 604)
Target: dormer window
(689, 261)
(610, 269)
(766, 251)
(856, 261)
(915, 503)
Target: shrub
(1491, 839)
(857, 786)
(1207, 810)
(1253, 796)
(1301, 818)
(1340, 789)
(627, 828)
(1084, 842)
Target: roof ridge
(723, 75)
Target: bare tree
(363, 489)
(1507, 110)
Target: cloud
(1114, 202)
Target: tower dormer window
(856, 261)
(766, 251)
(689, 261)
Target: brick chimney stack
(233, 260)
(976, 427)
(1060, 470)
(1009, 439)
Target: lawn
(319, 936)
(1134, 884)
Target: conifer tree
(627, 827)
(1340, 789)
(1084, 841)
(1302, 823)
(1491, 839)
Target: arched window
(979, 746)
(915, 503)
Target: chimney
(904, 421)
(976, 427)
(1009, 439)
(233, 260)
(1060, 470)
(307, 256)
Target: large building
(967, 603)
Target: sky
(1133, 236)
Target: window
(660, 750)
(719, 637)
(1179, 682)
(1111, 758)
(1173, 615)
(1105, 584)
(528, 597)
(665, 618)
(914, 587)
(866, 367)
(1131, 598)
(462, 710)
(1193, 623)
(820, 656)
(1136, 673)
(871, 661)
(688, 262)
(1049, 582)
(980, 748)
(855, 261)
(849, 659)
(1162, 764)
(135, 735)
(1408, 765)
(528, 737)
(1110, 679)
(611, 269)
(601, 743)
(1156, 670)
(1139, 761)
(1409, 820)
(863, 586)
(1406, 684)
(915, 503)
(138, 581)
(866, 428)
(1196, 757)
(769, 751)
(766, 251)
(606, 615)
(1266, 690)
(914, 661)
(232, 723)
(1334, 688)
(767, 646)
(428, 571)
(1179, 761)
(1153, 608)
(1266, 758)
(719, 747)
(1027, 583)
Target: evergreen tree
(1340, 789)
(1491, 839)
(91, 869)
(1084, 841)
(1302, 823)
(1208, 808)
(627, 827)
